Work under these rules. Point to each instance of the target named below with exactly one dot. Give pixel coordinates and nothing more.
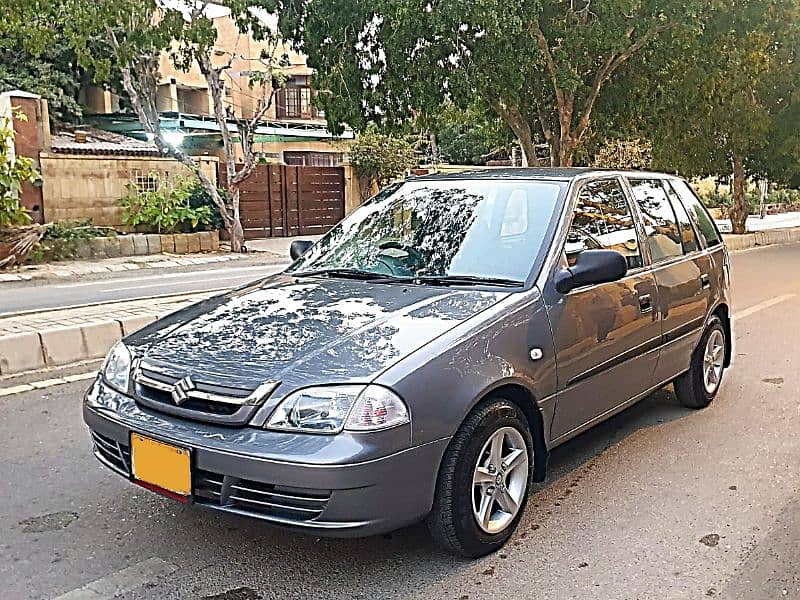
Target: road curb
(60, 346)
(768, 237)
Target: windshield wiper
(350, 274)
(468, 280)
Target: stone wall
(90, 187)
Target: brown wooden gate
(284, 201)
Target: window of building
(149, 181)
(603, 220)
(313, 159)
(295, 100)
(660, 223)
(697, 212)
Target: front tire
(699, 385)
(483, 481)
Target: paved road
(130, 285)
(621, 516)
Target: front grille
(198, 400)
(258, 498)
(111, 453)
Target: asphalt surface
(131, 285)
(658, 502)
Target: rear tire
(699, 385)
(478, 503)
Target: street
(658, 502)
(130, 285)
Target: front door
(606, 336)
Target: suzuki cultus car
(422, 358)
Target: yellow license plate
(162, 465)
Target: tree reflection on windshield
(476, 227)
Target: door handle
(705, 281)
(645, 303)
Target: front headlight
(117, 367)
(330, 409)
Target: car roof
(558, 173)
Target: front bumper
(342, 489)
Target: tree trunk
(740, 209)
(512, 117)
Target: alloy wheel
(713, 358)
(500, 480)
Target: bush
(166, 209)
(379, 158)
(200, 198)
(13, 174)
(61, 240)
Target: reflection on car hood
(303, 331)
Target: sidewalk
(276, 247)
(77, 268)
(61, 337)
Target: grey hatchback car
(422, 358)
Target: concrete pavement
(659, 502)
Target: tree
(53, 74)
(469, 136)
(378, 158)
(540, 65)
(133, 36)
(730, 101)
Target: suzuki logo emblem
(180, 393)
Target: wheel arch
(524, 399)
(723, 313)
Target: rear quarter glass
(698, 213)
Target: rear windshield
(471, 227)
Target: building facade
(292, 131)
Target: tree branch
(611, 64)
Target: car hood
(304, 331)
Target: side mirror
(299, 247)
(592, 266)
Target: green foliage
(540, 65)
(378, 158)
(719, 199)
(624, 154)
(470, 136)
(199, 198)
(14, 172)
(731, 92)
(166, 209)
(76, 229)
(53, 74)
(64, 240)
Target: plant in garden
(14, 172)
(165, 209)
(378, 158)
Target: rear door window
(688, 237)
(603, 220)
(660, 223)
(697, 212)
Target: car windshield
(464, 230)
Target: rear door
(606, 336)
(682, 273)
